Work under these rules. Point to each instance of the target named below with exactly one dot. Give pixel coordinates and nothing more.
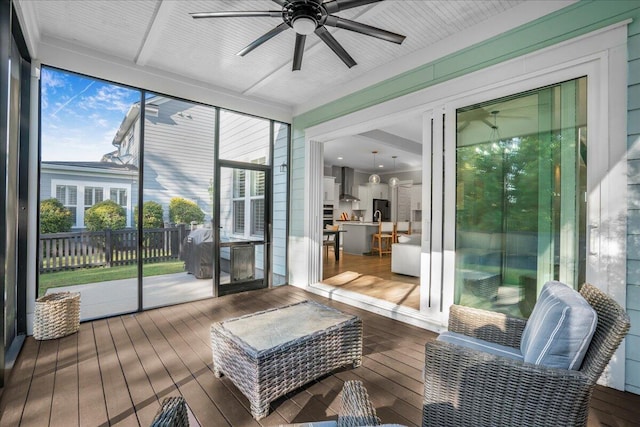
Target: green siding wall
(633, 228)
(574, 20)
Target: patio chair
(356, 409)
(470, 387)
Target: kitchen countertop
(359, 223)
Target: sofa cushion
(411, 239)
(559, 329)
(480, 345)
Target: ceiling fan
(306, 17)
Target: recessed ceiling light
(340, 158)
(380, 166)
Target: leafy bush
(103, 215)
(54, 217)
(152, 215)
(183, 211)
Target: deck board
(64, 408)
(92, 407)
(117, 371)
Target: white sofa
(405, 255)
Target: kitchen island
(357, 240)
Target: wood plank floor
(116, 371)
(372, 276)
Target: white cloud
(108, 97)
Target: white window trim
(106, 188)
(600, 55)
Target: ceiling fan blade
(338, 5)
(326, 37)
(238, 14)
(297, 54)
(346, 24)
(280, 2)
(488, 123)
(265, 37)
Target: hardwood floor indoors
(372, 276)
(116, 371)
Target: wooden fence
(74, 250)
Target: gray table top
(272, 328)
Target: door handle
(594, 242)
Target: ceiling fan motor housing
(305, 9)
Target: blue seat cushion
(480, 345)
(560, 328)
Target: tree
(183, 211)
(152, 215)
(105, 214)
(54, 217)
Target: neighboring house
(178, 150)
(80, 185)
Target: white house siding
(572, 21)
(178, 154)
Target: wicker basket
(56, 315)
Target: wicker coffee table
(269, 353)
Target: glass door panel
(242, 261)
(520, 197)
(177, 244)
(88, 188)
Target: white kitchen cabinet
(328, 189)
(379, 191)
(365, 202)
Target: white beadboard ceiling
(161, 35)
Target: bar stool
(382, 240)
(402, 227)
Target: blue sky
(80, 115)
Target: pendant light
(374, 178)
(394, 181)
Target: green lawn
(103, 274)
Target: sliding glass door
(520, 219)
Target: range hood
(346, 178)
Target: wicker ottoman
(482, 284)
(269, 353)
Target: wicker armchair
(472, 388)
(172, 413)
(356, 409)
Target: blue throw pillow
(560, 328)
